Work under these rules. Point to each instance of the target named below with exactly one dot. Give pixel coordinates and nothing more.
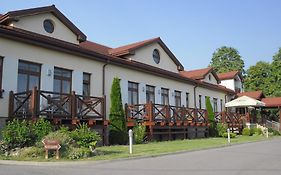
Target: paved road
(261, 158)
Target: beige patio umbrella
(245, 101)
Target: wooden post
(73, 105)
(223, 114)
(11, 104)
(195, 113)
(34, 102)
(150, 116)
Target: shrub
(40, 129)
(117, 128)
(276, 133)
(139, 133)
(246, 132)
(78, 153)
(32, 152)
(221, 128)
(232, 135)
(17, 134)
(259, 131)
(64, 140)
(84, 137)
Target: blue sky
(192, 30)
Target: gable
(210, 78)
(33, 20)
(145, 55)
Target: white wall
(144, 55)
(34, 23)
(13, 51)
(228, 84)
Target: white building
(41, 47)
(232, 80)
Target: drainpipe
(103, 77)
(194, 91)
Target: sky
(192, 29)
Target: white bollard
(131, 141)
(228, 135)
(266, 132)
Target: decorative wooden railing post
(182, 113)
(223, 114)
(167, 114)
(34, 102)
(206, 116)
(195, 115)
(150, 117)
(11, 104)
(73, 105)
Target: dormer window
(210, 77)
(156, 56)
(48, 26)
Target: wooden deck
(165, 122)
(59, 109)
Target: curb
(96, 162)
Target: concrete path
(260, 158)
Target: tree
(259, 77)
(211, 117)
(226, 59)
(117, 128)
(277, 56)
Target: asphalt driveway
(260, 158)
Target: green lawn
(156, 148)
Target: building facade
(41, 47)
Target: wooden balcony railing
(35, 103)
(164, 114)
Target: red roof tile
(95, 47)
(229, 75)
(130, 49)
(258, 95)
(272, 101)
(199, 74)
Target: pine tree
(117, 128)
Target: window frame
(150, 93)
(87, 83)
(215, 104)
(177, 97)
(221, 104)
(29, 73)
(200, 101)
(61, 79)
(132, 90)
(1, 75)
(187, 99)
(165, 95)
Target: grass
(156, 148)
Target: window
(1, 74)
(86, 84)
(165, 96)
(221, 105)
(210, 77)
(177, 98)
(62, 80)
(156, 56)
(48, 26)
(200, 101)
(150, 94)
(215, 104)
(133, 93)
(187, 99)
(28, 76)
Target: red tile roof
(258, 95)
(95, 47)
(199, 74)
(272, 101)
(229, 75)
(130, 49)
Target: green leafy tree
(226, 59)
(259, 77)
(276, 74)
(117, 128)
(277, 56)
(211, 117)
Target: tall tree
(277, 56)
(259, 78)
(117, 128)
(276, 73)
(226, 59)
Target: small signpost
(51, 145)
